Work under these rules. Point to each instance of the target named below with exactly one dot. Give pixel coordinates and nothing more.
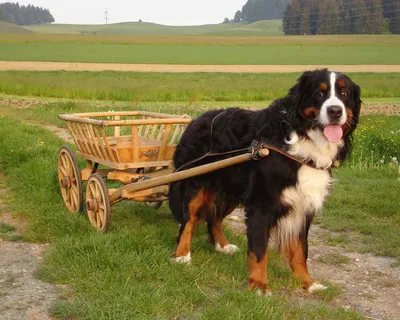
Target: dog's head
(329, 101)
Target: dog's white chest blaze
(316, 148)
(304, 199)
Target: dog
(310, 129)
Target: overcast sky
(170, 12)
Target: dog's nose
(335, 112)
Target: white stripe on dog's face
(333, 100)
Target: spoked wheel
(98, 203)
(154, 205)
(69, 176)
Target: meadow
(180, 88)
(202, 49)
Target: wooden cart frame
(133, 147)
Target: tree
(238, 16)
(359, 16)
(375, 21)
(329, 17)
(304, 27)
(226, 20)
(287, 20)
(391, 11)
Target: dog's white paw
(262, 293)
(316, 287)
(183, 259)
(228, 249)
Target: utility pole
(106, 16)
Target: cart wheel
(69, 176)
(98, 203)
(154, 205)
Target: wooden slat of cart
(135, 143)
(81, 137)
(112, 155)
(165, 138)
(73, 133)
(101, 143)
(93, 140)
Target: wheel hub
(66, 182)
(93, 205)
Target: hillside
(6, 27)
(146, 28)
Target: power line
(106, 16)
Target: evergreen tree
(329, 17)
(391, 11)
(288, 26)
(360, 16)
(304, 27)
(375, 19)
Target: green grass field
(200, 54)
(164, 87)
(181, 49)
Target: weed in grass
(7, 232)
(334, 259)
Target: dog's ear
(301, 87)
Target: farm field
(203, 50)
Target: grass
(200, 54)
(145, 28)
(165, 87)
(10, 28)
(238, 40)
(334, 259)
(126, 274)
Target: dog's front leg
(257, 257)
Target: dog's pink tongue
(333, 133)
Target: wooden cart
(134, 148)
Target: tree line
(342, 17)
(24, 15)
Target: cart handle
(189, 173)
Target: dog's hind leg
(217, 236)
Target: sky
(169, 12)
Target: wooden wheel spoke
(98, 219)
(92, 189)
(64, 171)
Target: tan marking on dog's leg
(258, 272)
(185, 240)
(298, 262)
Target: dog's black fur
(257, 185)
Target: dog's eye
(344, 93)
(320, 94)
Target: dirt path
(75, 66)
(22, 295)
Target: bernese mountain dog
(280, 193)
